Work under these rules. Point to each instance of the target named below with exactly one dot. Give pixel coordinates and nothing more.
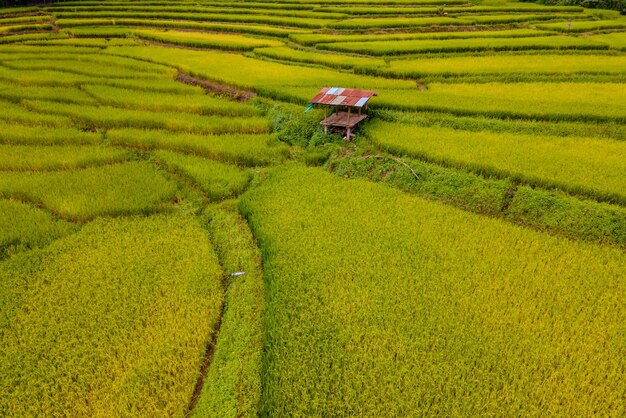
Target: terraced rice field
(179, 238)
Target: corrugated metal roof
(337, 96)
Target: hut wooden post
(325, 116)
(348, 132)
(342, 98)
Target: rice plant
(233, 383)
(218, 180)
(234, 70)
(38, 158)
(24, 226)
(543, 101)
(24, 19)
(379, 48)
(112, 190)
(74, 25)
(615, 40)
(584, 26)
(109, 70)
(325, 59)
(588, 165)
(189, 101)
(112, 320)
(248, 150)
(16, 134)
(112, 117)
(427, 310)
(311, 39)
(30, 37)
(202, 17)
(29, 27)
(206, 40)
(397, 22)
(15, 113)
(520, 66)
(55, 94)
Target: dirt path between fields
(216, 88)
(206, 362)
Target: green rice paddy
(179, 238)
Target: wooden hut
(343, 120)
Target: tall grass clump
(291, 125)
(113, 320)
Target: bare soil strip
(216, 88)
(206, 363)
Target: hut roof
(337, 96)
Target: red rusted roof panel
(317, 98)
(337, 96)
(327, 98)
(351, 100)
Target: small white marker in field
(237, 274)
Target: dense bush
(295, 127)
